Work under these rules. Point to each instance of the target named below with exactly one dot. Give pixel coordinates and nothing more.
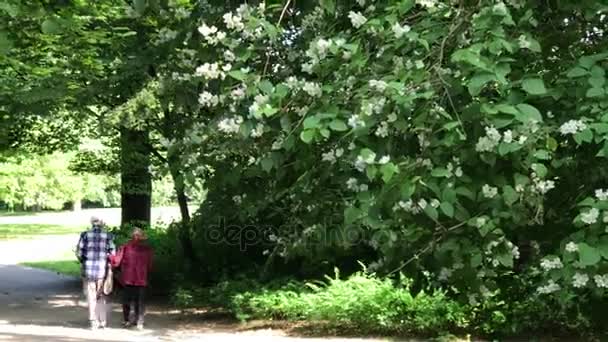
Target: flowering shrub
(459, 141)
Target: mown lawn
(29, 231)
(67, 267)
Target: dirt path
(38, 305)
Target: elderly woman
(135, 262)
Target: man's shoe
(102, 325)
(94, 325)
(127, 324)
(140, 326)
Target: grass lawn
(67, 267)
(29, 231)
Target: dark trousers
(133, 296)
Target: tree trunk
(182, 200)
(136, 181)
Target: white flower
(444, 274)
(522, 139)
(489, 191)
(379, 86)
(209, 71)
(500, 8)
(458, 172)
(572, 127)
(524, 43)
(357, 19)
(601, 194)
(480, 222)
(363, 187)
(435, 203)
(601, 281)
(229, 56)
(549, 264)
(233, 22)
(384, 160)
(258, 131)
(382, 131)
(207, 31)
(238, 93)
(591, 216)
(230, 125)
(549, 288)
(237, 199)
(579, 280)
(507, 136)
(399, 30)
(543, 186)
(489, 142)
(571, 247)
(427, 3)
(419, 64)
(355, 121)
(422, 203)
(206, 99)
(352, 184)
(313, 89)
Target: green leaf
(551, 144)
(5, 43)
(507, 109)
(595, 92)
(585, 135)
(237, 75)
(328, 5)
(476, 260)
(267, 164)
(478, 82)
(366, 153)
(325, 132)
(534, 86)
(440, 172)
(50, 26)
(597, 82)
(465, 192)
(388, 170)
(408, 189)
(588, 256)
(506, 259)
(338, 125)
(140, 6)
(528, 113)
(447, 208)
(311, 122)
(431, 212)
(307, 135)
(542, 155)
(371, 172)
(540, 169)
(576, 72)
(266, 87)
(603, 247)
(351, 214)
(270, 111)
(510, 195)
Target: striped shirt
(93, 249)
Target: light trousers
(98, 307)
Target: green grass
(67, 267)
(29, 231)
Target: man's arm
(80, 247)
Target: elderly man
(135, 262)
(93, 251)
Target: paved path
(38, 305)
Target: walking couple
(97, 255)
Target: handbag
(108, 282)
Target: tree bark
(136, 180)
(182, 200)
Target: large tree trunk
(136, 181)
